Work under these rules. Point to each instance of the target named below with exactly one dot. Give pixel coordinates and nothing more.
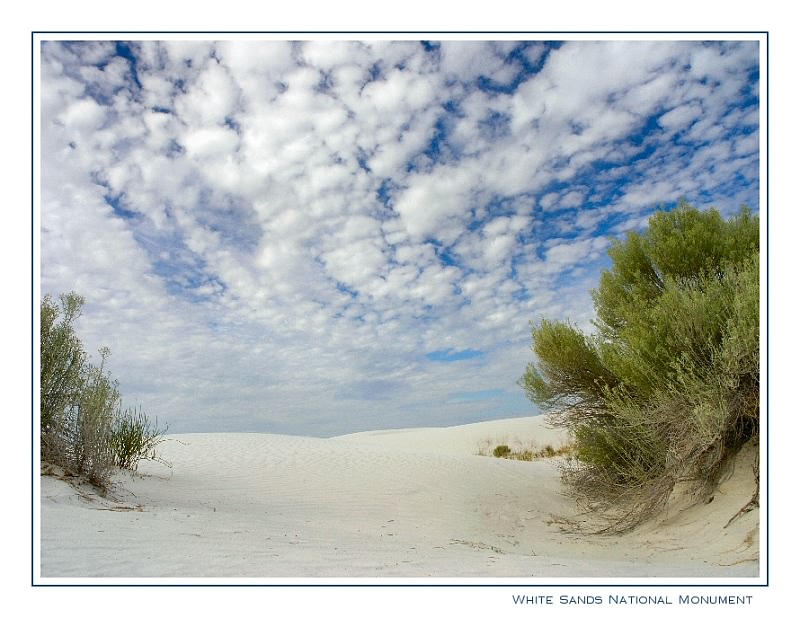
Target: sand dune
(394, 504)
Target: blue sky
(319, 237)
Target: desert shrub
(81, 422)
(667, 389)
(63, 363)
(134, 438)
(77, 399)
(90, 425)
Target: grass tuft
(134, 439)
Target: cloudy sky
(323, 237)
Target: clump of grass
(134, 438)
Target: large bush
(83, 428)
(667, 388)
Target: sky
(318, 237)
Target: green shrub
(91, 420)
(63, 363)
(82, 427)
(668, 388)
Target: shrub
(77, 400)
(668, 387)
(63, 362)
(502, 450)
(91, 420)
(82, 427)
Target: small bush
(502, 450)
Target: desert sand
(383, 506)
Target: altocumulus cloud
(321, 237)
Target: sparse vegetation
(82, 426)
(667, 390)
(526, 453)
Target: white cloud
(681, 117)
(426, 206)
(469, 60)
(84, 115)
(210, 142)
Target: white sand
(395, 504)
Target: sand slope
(414, 503)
